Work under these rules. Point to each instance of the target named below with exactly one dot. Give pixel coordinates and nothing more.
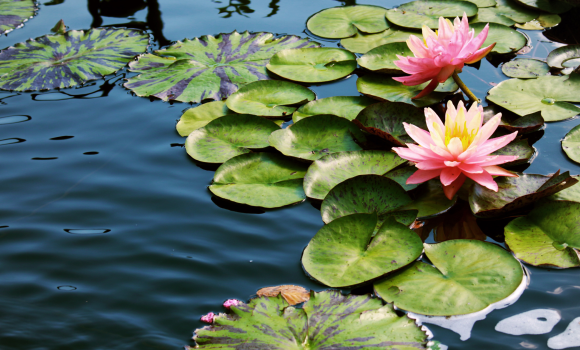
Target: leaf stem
(465, 89)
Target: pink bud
(231, 302)
(208, 318)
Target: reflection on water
(242, 7)
(60, 95)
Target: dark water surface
(109, 238)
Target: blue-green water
(110, 238)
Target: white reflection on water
(539, 321)
(569, 338)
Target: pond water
(109, 238)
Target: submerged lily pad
(547, 236)
(343, 22)
(525, 68)
(571, 144)
(519, 148)
(313, 65)
(430, 200)
(416, 14)
(506, 39)
(506, 12)
(13, 14)
(229, 136)
(347, 107)
(385, 88)
(542, 22)
(362, 43)
(385, 119)
(260, 179)
(197, 117)
(329, 320)
(381, 58)
(312, 138)
(549, 94)
(559, 56)
(208, 67)
(269, 98)
(345, 253)
(330, 170)
(69, 59)
(552, 6)
(466, 276)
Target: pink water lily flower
(458, 149)
(441, 53)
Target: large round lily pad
(229, 136)
(562, 54)
(313, 65)
(416, 14)
(197, 117)
(385, 88)
(345, 253)
(312, 138)
(552, 6)
(347, 107)
(430, 200)
(343, 22)
(466, 276)
(332, 169)
(260, 179)
(571, 144)
(69, 59)
(506, 12)
(549, 95)
(381, 58)
(269, 98)
(362, 43)
(525, 68)
(13, 13)
(329, 320)
(547, 236)
(385, 119)
(545, 20)
(506, 39)
(208, 67)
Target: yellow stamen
(462, 133)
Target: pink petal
(428, 89)
(493, 145)
(495, 170)
(455, 146)
(417, 47)
(448, 175)
(419, 135)
(442, 152)
(425, 152)
(445, 73)
(415, 79)
(452, 189)
(451, 163)
(407, 154)
(471, 168)
(430, 165)
(479, 54)
(475, 44)
(491, 160)
(421, 176)
(484, 179)
(487, 130)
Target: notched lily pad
(416, 14)
(347, 107)
(381, 58)
(362, 43)
(343, 22)
(197, 117)
(506, 39)
(208, 67)
(69, 59)
(558, 57)
(525, 68)
(571, 144)
(13, 14)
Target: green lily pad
(343, 22)
(430, 200)
(506, 39)
(520, 148)
(69, 59)
(542, 22)
(362, 43)
(513, 122)
(515, 193)
(467, 276)
(483, 3)
(547, 236)
(506, 12)
(313, 65)
(571, 144)
(208, 67)
(364, 194)
(229, 136)
(416, 14)
(562, 54)
(347, 107)
(269, 98)
(571, 193)
(330, 170)
(386, 89)
(345, 253)
(525, 68)
(353, 322)
(13, 14)
(260, 179)
(385, 119)
(198, 117)
(401, 175)
(549, 95)
(381, 58)
(312, 138)
(552, 6)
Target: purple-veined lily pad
(208, 67)
(13, 14)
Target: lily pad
(229, 136)
(430, 200)
(347, 107)
(208, 67)
(547, 236)
(330, 170)
(483, 3)
(313, 65)
(292, 294)
(345, 253)
(515, 193)
(416, 14)
(525, 68)
(542, 22)
(13, 14)
(385, 119)
(381, 58)
(386, 89)
(506, 39)
(466, 276)
(506, 12)
(69, 59)
(329, 320)
(552, 6)
(362, 43)
(364, 194)
(571, 193)
(571, 144)
(549, 95)
(269, 98)
(562, 54)
(513, 122)
(343, 22)
(198, 117)
(401, 175)
(260, 179)
(520, 148)
(312, 138)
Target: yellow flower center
(462, 133)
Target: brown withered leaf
(292, 294)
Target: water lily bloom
(458, 149)
(208, 318)
(440, 54)
(231, 302)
